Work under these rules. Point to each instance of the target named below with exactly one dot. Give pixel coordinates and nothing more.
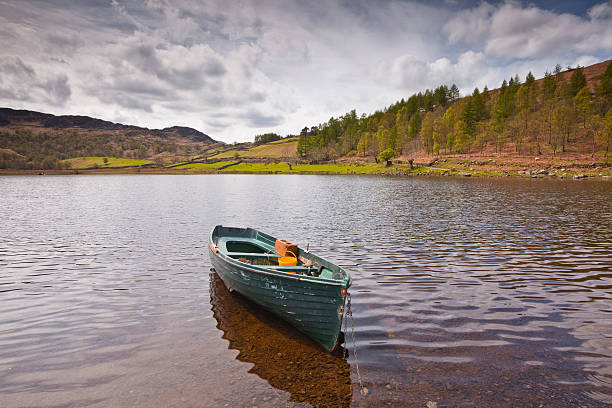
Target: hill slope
(564, 113)
(31, 139)
(17, 119)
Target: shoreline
(437, 170)
(486, 166)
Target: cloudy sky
(234, 69)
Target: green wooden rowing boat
(310, 295)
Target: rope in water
(349, 314)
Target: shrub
(386, 155)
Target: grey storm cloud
(278, 65)
(19, 81)
(261, 120)
(130, 101)
(145, 58)
(64, 44)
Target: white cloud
(470, 25)
(236, 69)
(469, 71)
(601, 11)
(511, 30)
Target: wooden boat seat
(297, 269)
(251, 255)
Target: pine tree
(415, 126)
(605, 137)
(549, 84)
(486, 97)
(441, 96)
(604, 91)
(605, 86)
(428, 100)
(469, 116)
(577, 82)
(453, 93)
(480, 109)
(582, 103)
(392, 139)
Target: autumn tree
(426, 133)
(448, 127)
(439, 135)
(564, 123)
(461, 136)
(402, 124)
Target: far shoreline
(440, 168)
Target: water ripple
(466, 292)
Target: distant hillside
(566, 113)
(11, 118)
(31, 139)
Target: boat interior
(254, 251)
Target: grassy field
(277, 149)
(443, 166)
(203, 166)
(282, 167)
(89, 162)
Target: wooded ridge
(566, 112)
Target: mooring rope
(349, 314)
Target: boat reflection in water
(285, 358)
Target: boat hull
(314, 308)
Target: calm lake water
(467, 292)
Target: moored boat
(306, 290)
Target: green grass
(258, 168)
(88, 162)
(287, 140)
(282, 167)
(202, 166)
(343, 168)
(276, 149)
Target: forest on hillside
(557, 114)
(25, 149)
